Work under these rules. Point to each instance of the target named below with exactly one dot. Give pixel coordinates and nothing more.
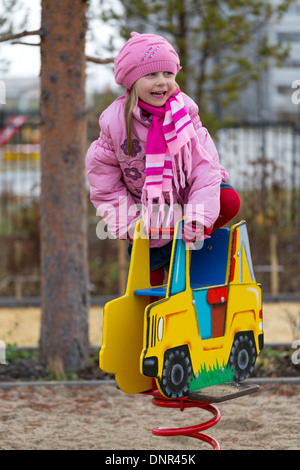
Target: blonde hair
(131, 102)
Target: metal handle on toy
(161, 231)
(170, 231)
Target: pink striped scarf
(170, 135)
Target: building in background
(280, 80)
(270, 99)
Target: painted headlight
(160, 328)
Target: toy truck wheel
(177, 371)
(243, 355)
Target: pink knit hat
(143, 54)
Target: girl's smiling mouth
(158, 93)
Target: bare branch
(26, 43)
(99, 61)
(21, 35)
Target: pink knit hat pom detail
(143, 54)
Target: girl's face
(156, 88)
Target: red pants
(229, 207)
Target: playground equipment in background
(191, 341)
(12, 127)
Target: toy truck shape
(203, 328)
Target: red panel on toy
(218, 295)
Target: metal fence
(264, 157)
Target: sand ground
(104, 418)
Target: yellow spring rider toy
(194, 339)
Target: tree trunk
(65, 301)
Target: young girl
(153, 152)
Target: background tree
(64, 290)
(221, 44)
(64, 331)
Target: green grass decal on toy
(212, 376)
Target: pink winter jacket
(116, 180)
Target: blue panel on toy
(152, 291)
(178, 274)
(204, 315)
(208, 265)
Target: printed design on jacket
(133, 169)
(132, 173)
(136, 147)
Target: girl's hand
(194, 234)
